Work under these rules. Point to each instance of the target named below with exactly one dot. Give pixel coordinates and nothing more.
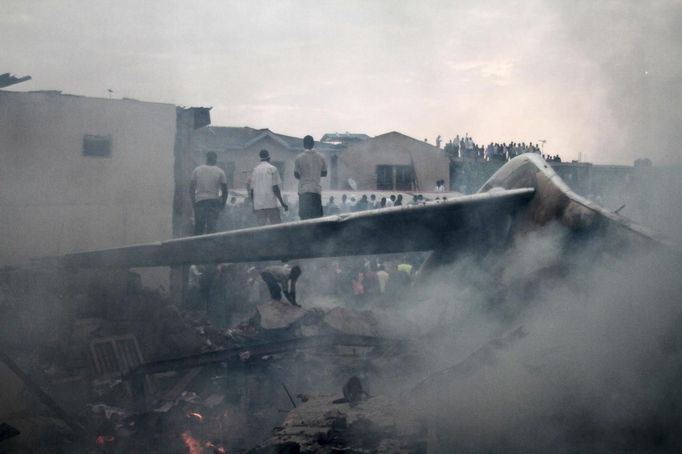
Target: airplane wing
(381, 231)
(522, 196)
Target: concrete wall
(359, 161)
(55, 200)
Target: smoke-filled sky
(598, 80)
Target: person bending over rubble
(282, 279)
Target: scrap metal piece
(553, 200)
(233, 355)
(44, 398)
(291, 399)
(7, 432)
(8, 79)
(116, 355)
(169, 400)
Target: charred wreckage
(134, 373)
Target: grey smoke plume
(581, 352)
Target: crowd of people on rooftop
(466, 147)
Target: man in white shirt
(309, 166)
(264, 191)
(208, 192)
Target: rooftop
(343, 138)
(233, 137)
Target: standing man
(308, 168)
(208, 192)
(264, 191)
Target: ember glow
(196, 416)
(102, 440)
(216, 448)
(193, 445)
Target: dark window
(228, 168)
(399, 178)
(96, 145)
(384, 177)
(404, 176)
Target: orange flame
(192, 443)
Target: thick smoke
(551, 347)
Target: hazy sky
(599, 77)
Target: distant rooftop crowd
(465, 147)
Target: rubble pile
(297, 321)
(210, 389)
(325, 423)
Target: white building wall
(55, 200)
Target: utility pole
(542, 146)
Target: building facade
(392, 162)
(80, 173)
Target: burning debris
(186, 384)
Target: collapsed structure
(162, 377)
